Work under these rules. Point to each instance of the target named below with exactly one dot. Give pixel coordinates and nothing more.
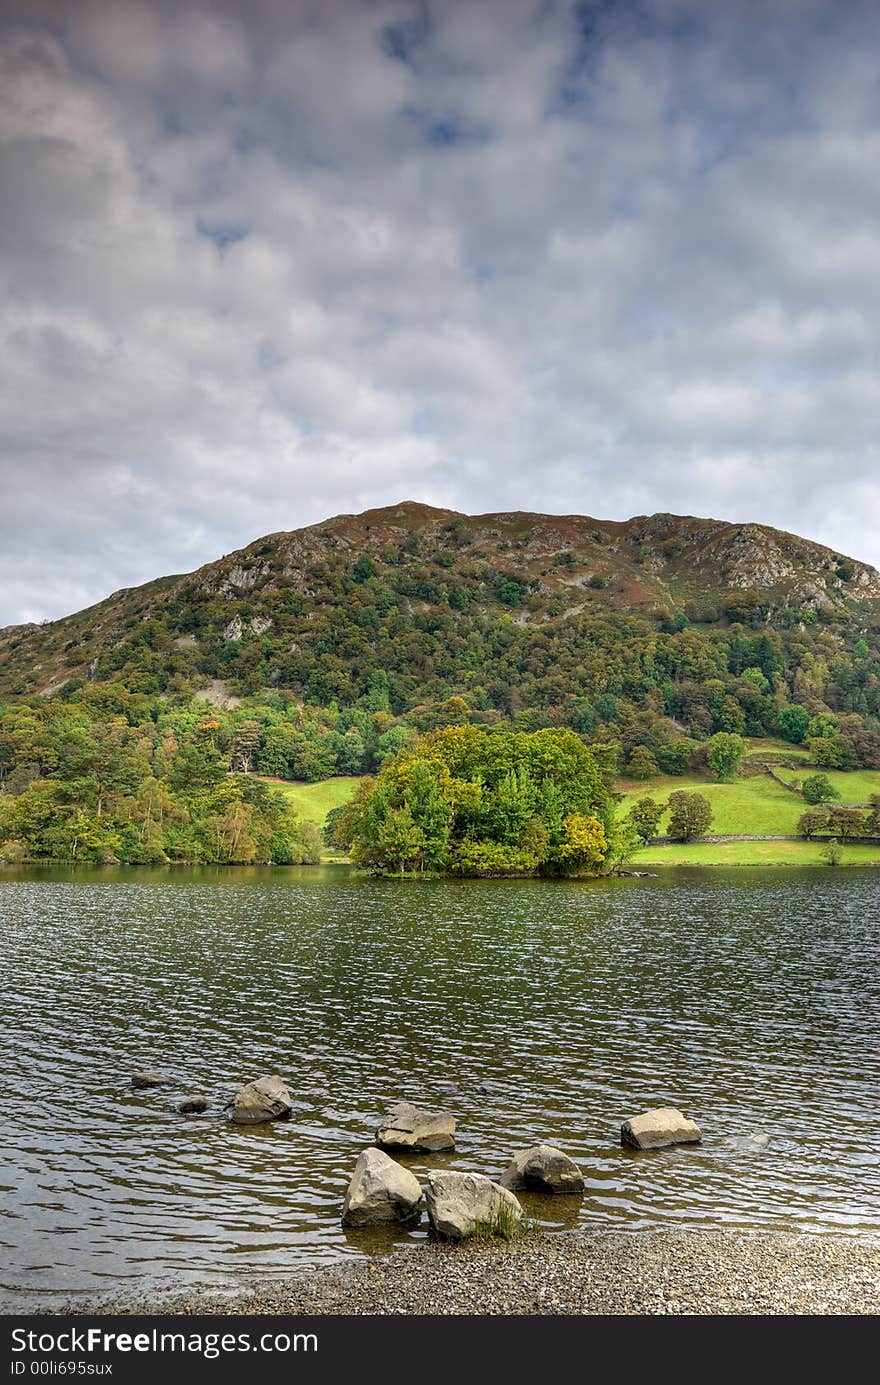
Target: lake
(749, 998)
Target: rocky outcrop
(658, 1128)
(141, 1081)
(467, 1204)
(380, 1191)
(543, 1169)
(405, 1126)
(266, 1099)
(193, 1106)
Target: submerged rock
(142, 1080)
(748, 1142)
(193, 1106)
(380, 1191)
(405, 1126)
(467, 1204)
(658, 1128)
(266, 1099)
(543, 1169)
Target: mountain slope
(492, 606)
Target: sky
(265, 263)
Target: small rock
(193, 1105)
(407, 1127)
(748, 1142)
(141, 1080)
(659, 1128)
(266, 1099)
(543, 1169)
(380, 1191)
(467, 1204)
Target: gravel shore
(651, 1272)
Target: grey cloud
(266, 265)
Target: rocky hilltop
(359, 593)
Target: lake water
(749, 998)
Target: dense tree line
(480, 802)
(114, 777)
(840, 821)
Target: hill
(508, 610)
(134, 730)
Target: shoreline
(665, 1271)
(638, 866)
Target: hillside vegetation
(321, 654)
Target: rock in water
(751, 1143)
(407, 1127)
(266, 1099)
(193, 1106)
(543, 1169)
(467, 1204)
(142, 1080)
(658, 1128)
(380, 1191)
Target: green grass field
(755, 805)
(751, 854)
(854, 786)
(770, 746)
(314, 801)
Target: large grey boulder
(380, 1191)
(467, 1204)
(658, 1128)
(543, 1169)
(405, 1126)
(266, 1099)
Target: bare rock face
(405, 1126)
(380, 1191)
(658, 1128)
(266, 1099)
(467, 1204)
(141, 1081)
(543, 1169)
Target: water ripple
(751, 999)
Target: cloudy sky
(267, 262)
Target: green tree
(641, 764)
(690, 815)
(731, 717)
(676, 757)
(812, 822)
(724, 754)
(400, 842)
(817, 788)
(584, 844)
(823, 726)
(645, 817)
(847, 823)
(793, 722)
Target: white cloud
(263, 266)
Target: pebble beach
(639, 1273)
